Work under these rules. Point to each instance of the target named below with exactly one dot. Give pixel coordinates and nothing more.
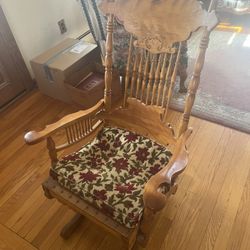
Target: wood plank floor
(211, 209)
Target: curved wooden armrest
(155, 200)
(34, 137)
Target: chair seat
(110, 172)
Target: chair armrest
(34, 137)
(152, 197)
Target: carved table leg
(69, 228)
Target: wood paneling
(209, 211)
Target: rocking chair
(125, 171)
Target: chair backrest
(150, 76)
(159, 29)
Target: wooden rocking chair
(125, 170)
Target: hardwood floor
(211, 209)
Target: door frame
(11, 58)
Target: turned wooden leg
(146, 227)
(69, 228)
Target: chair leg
(70, 227)
(146, 227)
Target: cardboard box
(87, 89)
(52, 67)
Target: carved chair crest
(159, 29)
(174, 22)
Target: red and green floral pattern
(110, 172)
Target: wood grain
(10, 240)
(148, 123)
(209, 211)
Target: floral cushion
(110, 172)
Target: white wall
(34, 23)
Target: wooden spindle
(145, 76)
(194, 82)
(172, 82)
(140, 74)
(86, 126)
(166, 86)
(67, 135)
(70, 135)
(77, 131)
(73, 132)
(134, 73)
(157, 78)
(127, 77)
(162, 78)
(108, 63)
(151, 78)
(90, 124)
(78, 136)
(81, 128)
(52, 150)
